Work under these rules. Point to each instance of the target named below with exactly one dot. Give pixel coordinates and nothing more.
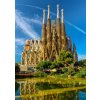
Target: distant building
(53, 40)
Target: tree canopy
(65, 56)
(43, 65)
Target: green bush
(17, 68)
(66, 57)
(64, 70)
(81, 63)
(40, 74)
(81, 73)
(43, 65)
(71, 70)
(56, 64)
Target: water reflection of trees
(36, 91)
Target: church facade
(53, 40)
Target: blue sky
(28, 20)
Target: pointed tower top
(62, 14)
(48, 11)
(44, 19)
(58, 11)
(74, 47)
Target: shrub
(64, 70)
(81, 63)
(71, 70)
(40, 74)
(43, 65)
(81, 73)
(56, 64)
(17, 69)
(66, 57)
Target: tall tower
(54, 51)
(58, 28)
(44, 34)
(49, 35)
(75, 56)
(69, 44)
(63, 33)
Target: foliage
(65, 56)
(69, 60)
(17, 69)
(65, 70)
(81, 63)
(40, 74)
(71, 70)
(81, 73)
(43, 65)
(56, 64)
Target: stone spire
(54, 51)
(69, 44)
(44, 34)
(63, 33)
(44, 17)
(62, 15)
(75, 56)
(49, 35)
(48, 11)
(58, 11)
(58, 28)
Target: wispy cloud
(23, 23)
(40, 8)
(37, 20)
(52, 13)
(19, 41)
(81, 56)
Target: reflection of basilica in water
(30, 90)
(53, 40)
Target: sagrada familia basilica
(53, 40)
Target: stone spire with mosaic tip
(49, 34)
(63, 33)
(58, 28)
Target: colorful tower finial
(48, 11)
(62, 14)
(58, 11)
(44, 15)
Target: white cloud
(25, 26)
(52, 13)
(19, 41)
(35, 20)
(81, 56)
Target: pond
(49, 89)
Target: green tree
(81, 73)
(17, 68)
(43, 65)
(65, 57)
(71, 70)
(81, 63)
(56, 64)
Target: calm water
(41, 89)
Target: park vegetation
(63, 66)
